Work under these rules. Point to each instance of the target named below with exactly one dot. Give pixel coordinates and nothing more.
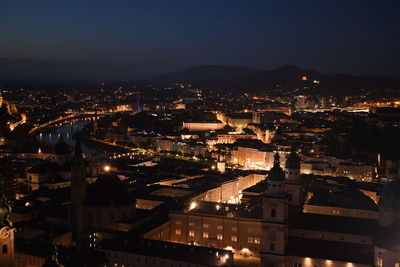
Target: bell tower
(78, 190)
(275, 216)
(6, 234)
(293, 184)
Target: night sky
(127, 39)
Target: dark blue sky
(133, 39)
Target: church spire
(276, 172)
(78, 149)
(293, 161)
(276, 159)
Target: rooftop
(165, 250)
(331, 250)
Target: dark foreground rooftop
(331, 250)
(165, 250)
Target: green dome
(276, 173)
(5, 211)
(293, 161)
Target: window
(257, 240)
(219, 236)
(234, 238)
(297, 264)
(205, 234)
(250, 240)
(234, 229)
(380, 262)
(191, 233)
(273, 213)
(192, 224)
(220, 227)
(290, 197)
(397, 264)
(272, 246)
(178, 232)
(4, 249)
(206, 225)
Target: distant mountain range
(205, 73)
(288, 76)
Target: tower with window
(275, 214)
(78, 190)
(293, 184)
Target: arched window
(4, 249)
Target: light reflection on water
(66, 131)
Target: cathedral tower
(78, 190)
(275, 215)
(293, 184)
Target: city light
(193, 205)
(220, 165)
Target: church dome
(276, 173)
(62, 148)
(390, 195)
(5, 211)
(293, 161)
(108, 190)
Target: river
(66, 131)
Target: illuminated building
(301, 102)
(202, 125)
(253, 153)
(275, 233)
